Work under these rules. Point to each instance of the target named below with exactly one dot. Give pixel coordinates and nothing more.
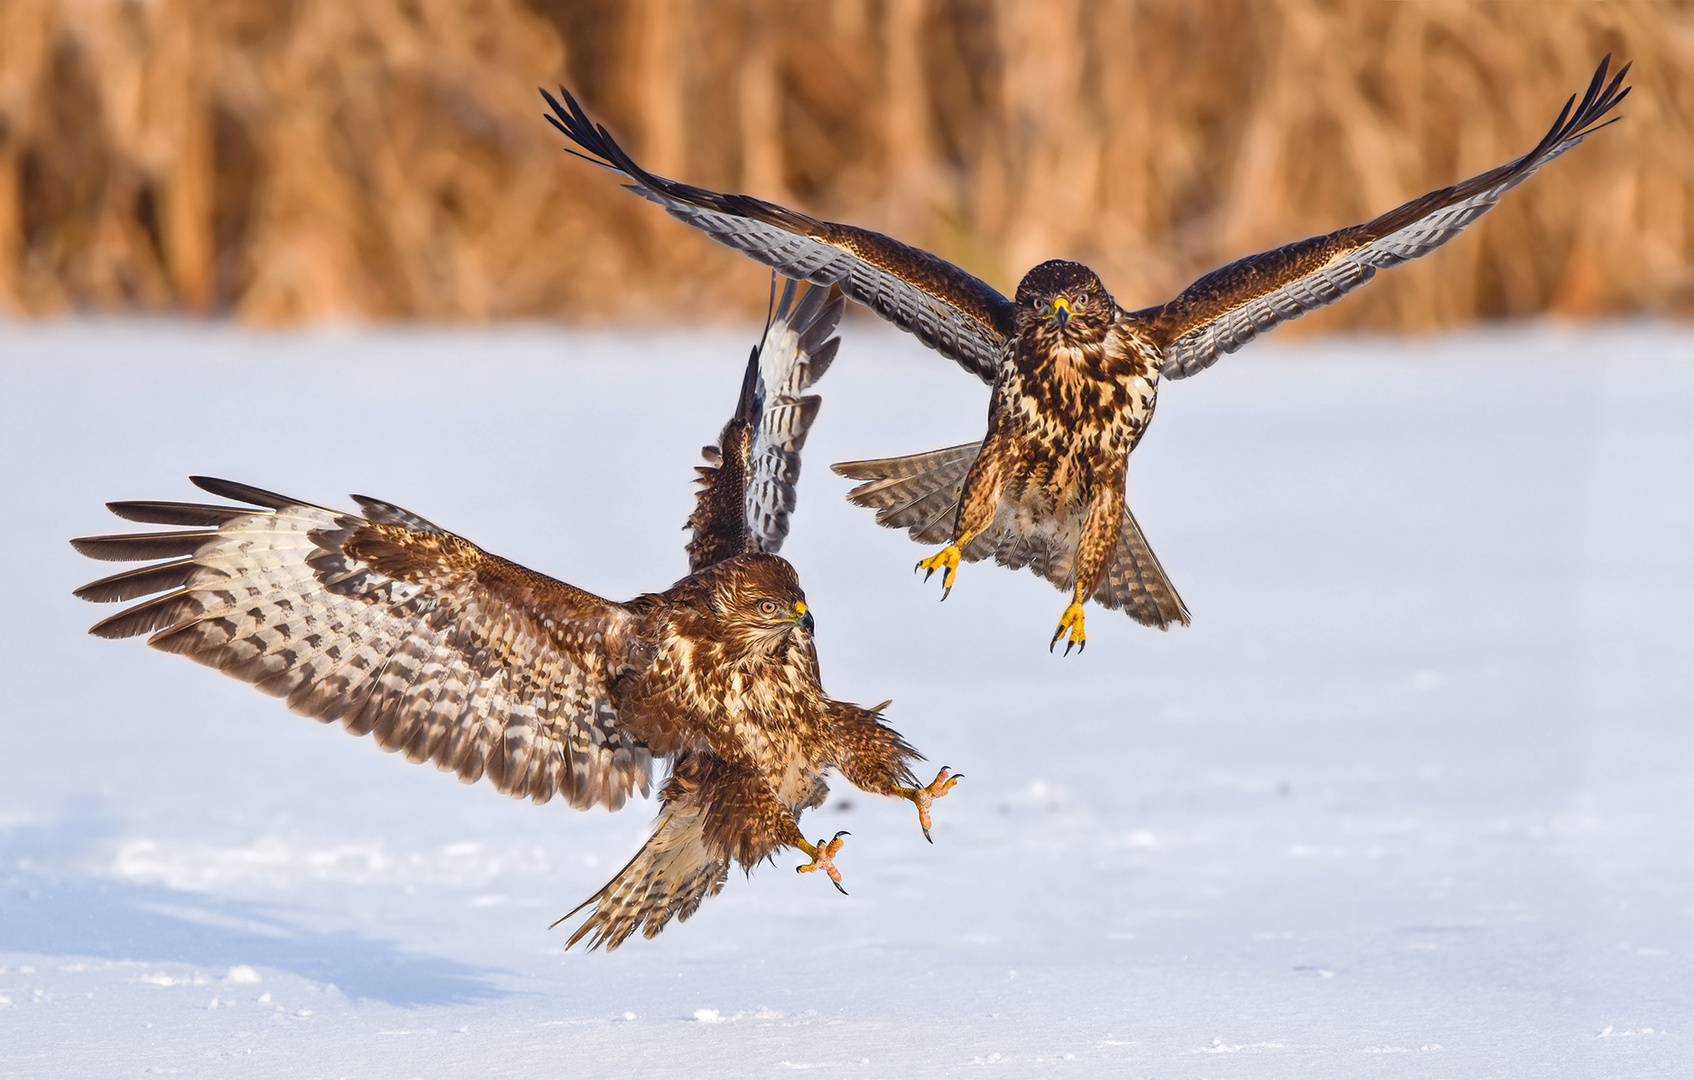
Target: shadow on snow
(69, 914)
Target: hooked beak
(1062, 310)
(803, 617)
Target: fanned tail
(918, 493)
(668, 878)
(1137, 584)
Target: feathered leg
(978, 502)
(873, 757)
(1094, 552)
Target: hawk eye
(1081, 299)
(767, 607)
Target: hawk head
(1063, 303)
(758, 601)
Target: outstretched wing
(949, 310)
(1227, 308)
(747, 490)
(392, 626)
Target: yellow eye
(767, 607)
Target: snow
(1410, 798)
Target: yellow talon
(1071, 621)
(823, 858)
(924, 796)
(947, 559)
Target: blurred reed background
(289, 160)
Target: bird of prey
(1074, 374)
(399, 629)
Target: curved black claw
(823, 858)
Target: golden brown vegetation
(290, 159)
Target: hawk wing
(393, 627)
(747, 489)
(949, 310)
(1227, 308)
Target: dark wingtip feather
(155, 512)
(750, 403)
(139, 547)
(246, 493)
(141, 581)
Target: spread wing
(747, 490)
(949, 310)
(393, 627)
(1227, 308)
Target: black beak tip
(807, 622)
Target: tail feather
(920, 493)
(1136, 583)
(668, 878)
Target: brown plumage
(1075, 376)
(399, 629)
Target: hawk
(1075, 376)
(404, 631)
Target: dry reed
(286, 160)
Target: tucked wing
(393, 627)
(1227, 308)
(949, 310)
(747, 489)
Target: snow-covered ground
(1414, 796)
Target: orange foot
(823, 857)
(924, 796)
(1071, 621)
(945, 560)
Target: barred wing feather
(797, 349)
(747, 486)
(951, 311)
(393, 627)
(1227, 308)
